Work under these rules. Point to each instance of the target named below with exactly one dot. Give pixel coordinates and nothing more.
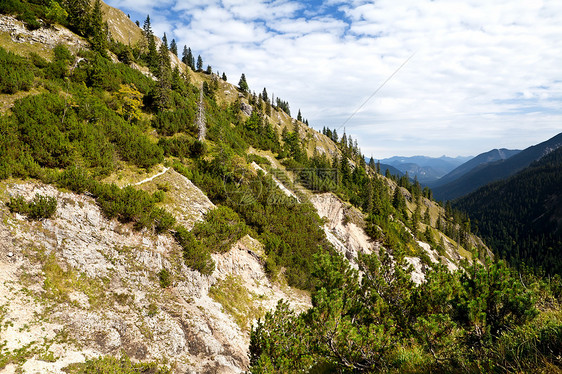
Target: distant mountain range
(426, 169)
(479, 161)
(486, 172)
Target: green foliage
(79, 16)
(15, 73)
(291, 232)
(164, 278)
(278, 344)
(221, 228)
(126, 204)
(243, 84)
(114, 365)
(171, 122)
(97, 29)
(55, 13)
(39, 127)
(470, 320)
(195, 254)
(27, 11)
(40, 207)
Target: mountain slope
(521, 217)
(391, 169)
(497, 170)
(476, 162)
(126, 235)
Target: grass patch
(59, 283)
(236, 301)
(24, 49)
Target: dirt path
(151, 178)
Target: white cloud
(485, 73)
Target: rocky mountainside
(77, 286)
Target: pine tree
(146, 27)
(152, 55)
(243, 85)
(174, 47)
(165, 40)
(299, 116)
(78, 15)
(191, 59)
(184, 56)
(223, 76)
(199, 63)
(97, 27)
(163, 88)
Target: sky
(403, 77)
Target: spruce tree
(199, 63)
(242, 84)
(152, 55)
(78, 15)
(187, 58)
(191, 59)
(163, 88)
(184, 56)
(174, 47)
(223, 76)
(372, 164)
(97, 27)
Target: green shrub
(195, 254)
(114, 365)
(163, 221)
(221, 229)
(39, 127)
(15, 73)
(18, 204)
(164, 278)
(42, 207)
(11, 7)
(39, 208)
(171, 122)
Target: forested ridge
(520, 217)
(82, 118)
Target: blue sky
(484, 74)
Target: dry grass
(236, 301)
(8, 101)
(24, 49)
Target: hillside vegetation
(117, 111)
